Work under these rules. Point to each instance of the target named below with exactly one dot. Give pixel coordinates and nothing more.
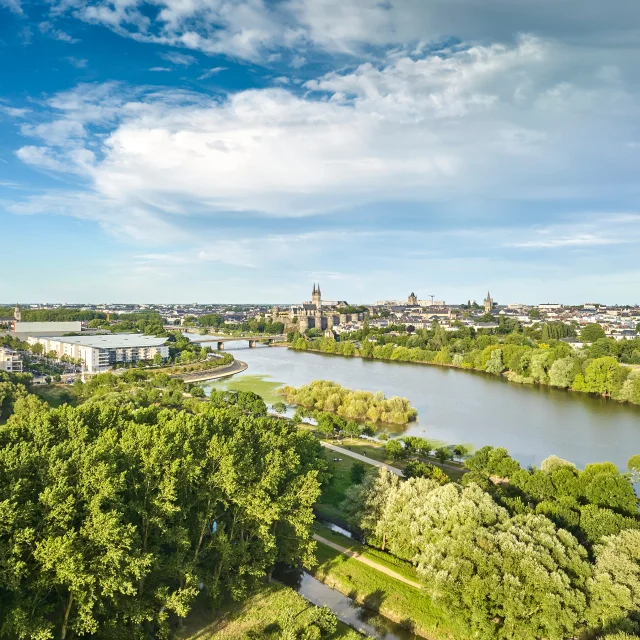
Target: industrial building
(47, 328)
(101, 352)
(10, 361)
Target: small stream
(356, 616)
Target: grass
(376, 451)
(264, 609)
(262, 385)
(56, 395)
(408, 606)
(402, 567)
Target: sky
(241, 150)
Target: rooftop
(112, 341)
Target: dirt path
(360, 558)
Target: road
(360, 558)
(366, 459)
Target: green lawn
(397, 601)
(264, 609)
(56, 395)
(402, 567)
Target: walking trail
(357, 456)
(374, 565)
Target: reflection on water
(463, 407)
(361, 618)
(337, 528)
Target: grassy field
(265, 609)
(411, 607)
(262, 385)
(402, 567)
(56, 394)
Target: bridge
(221, 340)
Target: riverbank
(406, 605)
(237, 366)
(605, 385)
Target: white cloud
(48, 28)
(78, 63)
(15, 6)
(211, 72)
(531, 120)
(178, 58)
(160, 69)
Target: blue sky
(240, 150)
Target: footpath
(371, 563)
(213, 374)
(365, 459)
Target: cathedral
(314, 314)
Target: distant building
(412, 301)
(101, 352)
(10, 361)
(47, 328)
(488, 303)
(550, 306)
(315, 314)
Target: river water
(465, 407)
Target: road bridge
(220, 341)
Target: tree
(157, 359)
(633, 465)
(522, 578)
(114, 518)
(417, 469)
(357, 472)
(592, 332)
(365, 503)
(563, 372)
(443, 454)
(615, 586)
(197, 392)
(279, 407)
(395, 450)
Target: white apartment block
(10, 361)
(100, 352)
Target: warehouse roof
(112, 340)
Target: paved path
(360, 558)
(213, 374)
(357, 456)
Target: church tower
(316, 297)
(488, 303)
(17, 314)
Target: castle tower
(316, 297)
(488, 303)
(412, 301)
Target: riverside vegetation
(524, 356)
(324, 395)
(120, 514)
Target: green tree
(522, 579)
(615, 586)
(395, 450)
(357, 472)
(592, 332)
(279, 407)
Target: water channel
(463, 407)
(356, 616)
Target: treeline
(62, 314)
(590, 370)
(512, 553)
(324, 395)
(255, 325)
(116, 516)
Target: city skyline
(240, 151)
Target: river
(464, 407)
